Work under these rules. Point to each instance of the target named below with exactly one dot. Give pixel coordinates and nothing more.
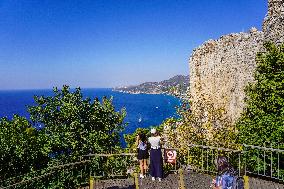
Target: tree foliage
(73, 126)
(20, 149)
(61, 128)
(214, 128)
(263, 118)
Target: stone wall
(273, 25)
(220, 69)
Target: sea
(143, 110)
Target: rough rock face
(273, 25)
(220, 69)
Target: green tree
(73, 126)
(213, 129)
(20, 149)
(62, 128)
(263, 118)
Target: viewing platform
(192, 171)
(191, 180)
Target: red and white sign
(170, 156)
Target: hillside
(176, 85)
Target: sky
(109, 43)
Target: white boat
(140, 119)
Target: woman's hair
(222, 163)
(142, 137)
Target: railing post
(244, 158)
(246, 182)
(278, 163)
(271, 162)
(187, 156)
(239, 164)
(92, 183)
(264, 163)
(136, 181)
(181, 179)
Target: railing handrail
(214, 148)
(263, 148)
(234, 150)
(28, 180)
(51, 170)
(108, 155)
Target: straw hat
(153, 131)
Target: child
(141, 142)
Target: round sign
(171, 156)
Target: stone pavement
(170, 181)
(255, 183)
(192, 180)
(195, 180)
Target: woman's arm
(162, 142)
(218, 187)
(214, 185)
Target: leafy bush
(68, 127)
(73, 126)
(263, 119)
(213, 129)
(20, 147)
(262, 122)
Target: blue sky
(108, 43)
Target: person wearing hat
(156, 161)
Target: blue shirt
(225, 180)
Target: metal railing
(56, 174)
(76, 174)
(112, 165)
(247, 160)
(264, 161)
(250, 160)
(201, 157)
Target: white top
(155, 142)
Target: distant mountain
(176, 85)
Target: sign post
(170, 156)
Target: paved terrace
(191, 180)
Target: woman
(156, 161)
(141, 142)
(225, 177)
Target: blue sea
(143, 110)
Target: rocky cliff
(220, 69)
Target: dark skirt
(142, 154)
(156, 163)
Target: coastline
(180, 96)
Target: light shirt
(155, 142)
(142, 146)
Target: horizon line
(27, 89)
